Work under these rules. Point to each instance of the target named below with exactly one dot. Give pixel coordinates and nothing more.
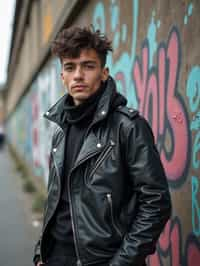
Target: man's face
(82, 76)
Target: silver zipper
(109, 197)
(79, 263)
(106, 152)
(72, 221)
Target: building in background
(156, 63)
(2, 116)
(1, 106)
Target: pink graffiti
(157, 91)
(35, 130)
(170, 247)
(35, 116)
(120, 77)
(193, 255)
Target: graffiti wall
(156, 64)
(27, 130)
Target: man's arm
(153, 199)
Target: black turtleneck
(77, 118)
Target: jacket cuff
(136, 260)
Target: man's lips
(79, 86)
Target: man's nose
(78, 74)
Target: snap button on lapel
(103, 112)
(131, 110)
(99, 145)
(47, 113)
(54, 150)
(112, 143)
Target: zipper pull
(109, 197)
(78, 263)
(112, 143)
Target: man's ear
(62, 78)
(105, 74)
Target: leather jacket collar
(56, 112)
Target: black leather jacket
(118, 192)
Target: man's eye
(68, 68)
(89, 66)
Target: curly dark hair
(71, 41)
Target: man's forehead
(85, 55)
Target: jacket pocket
(113, 221)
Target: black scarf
(84, 111)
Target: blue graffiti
(193, 89)
(186, 19)
(189, 13)
(114, 13)
(195, 124)
(124, 32)
(151, 36)
(190, 9)
(193, 94)
(124, 64)
(99, 17)
(196, 152)
(116, 40)
(195, 206)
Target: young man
(108, 198)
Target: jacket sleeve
(153, 198)
(37, 257)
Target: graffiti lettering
(35, 131)
(170, 245)
(195, 206)
(193, 94)
(196, 151)
(192, 251)
(161, 104)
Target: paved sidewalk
(17, 235)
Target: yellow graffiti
(47, 23)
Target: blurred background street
(17, 233)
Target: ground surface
(17, 233)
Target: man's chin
(81, 99)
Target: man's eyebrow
(89, 62)
(81, 63)
(68, 63)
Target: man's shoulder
(133, 119)
(128, 112)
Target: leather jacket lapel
(58, 155)
(91, 146)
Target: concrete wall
(156, 63)
(27, 130)
(1, 110)
(32, 43)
